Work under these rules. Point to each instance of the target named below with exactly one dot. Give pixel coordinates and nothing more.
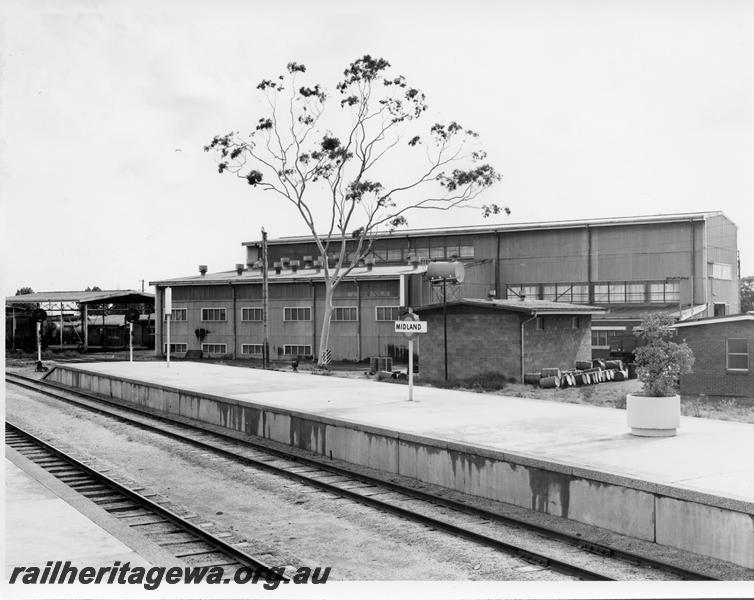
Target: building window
(344, 313)
(669, 291)
(251, 349)
(540, 323)
(580, 293)
(437, 253)
(737, 355)
(175, 348)
(575, 324)
(617, 292)
(722, 271)
(177, 314)
(601, 337)
(297, 350)
(252, 314)
(518, 290)
(720, 308)
(213, 314)
(297, 313)
(395, 255)
(465, 251)
(549, 292)
(388, 313)
(215, 348)
(601, 294)
(635, 293)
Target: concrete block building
(509, 337)
(682, 264)
(722, 348)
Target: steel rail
(26, 443)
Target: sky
(589, 109)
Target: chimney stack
(413, 261)
(318, 265)
(294, 265)
(523, 297)
(239, 268)
(202, 270)
(308, 262)
(277, 267)
(370, 263)
(284, 261)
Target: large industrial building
(683, 264)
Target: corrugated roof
(78, 296)
(637, 313)
(290, 276)
(525, 306)
(512, 227)
(717, 320)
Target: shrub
(660, 361)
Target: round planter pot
(653, 417)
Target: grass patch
(489, 381)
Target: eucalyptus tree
(360, 168)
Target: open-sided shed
(103, 312)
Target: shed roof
(290, 276)
(530, 307)
(637, 313)
(512, 227)
(717, 320)
(110, 296)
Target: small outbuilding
(509, 337)
(722, 348)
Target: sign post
(132, 316)
(410, 326)
(168, 311)
(39, 315)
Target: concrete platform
(45, 520)
(694, 491)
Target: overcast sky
(589, 109)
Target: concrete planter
(653, 417)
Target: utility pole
(142, 285)
(265, 303)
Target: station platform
(45, 520)
(694, 491)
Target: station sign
(410, 327)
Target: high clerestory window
(213, 314)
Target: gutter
(524, 322)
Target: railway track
(457, 518)
(184, 540)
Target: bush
(483, 382)
(660, 361)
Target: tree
(746, 291)
(93, 289)
(350, 186)
(659, 360)
(24, 291)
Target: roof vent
(239, 268)
(491, 294)
(308, 262)
(370, 263)
(522, 297)
(318, 264)
(284, 261)
(294, 265)
(413, 261)
(277, 267)
(202, 270)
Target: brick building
(722, 347)
(494, 336)
(682, 264)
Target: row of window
(246, 349)
(444, 252)
(604, 293)
(294, 313)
